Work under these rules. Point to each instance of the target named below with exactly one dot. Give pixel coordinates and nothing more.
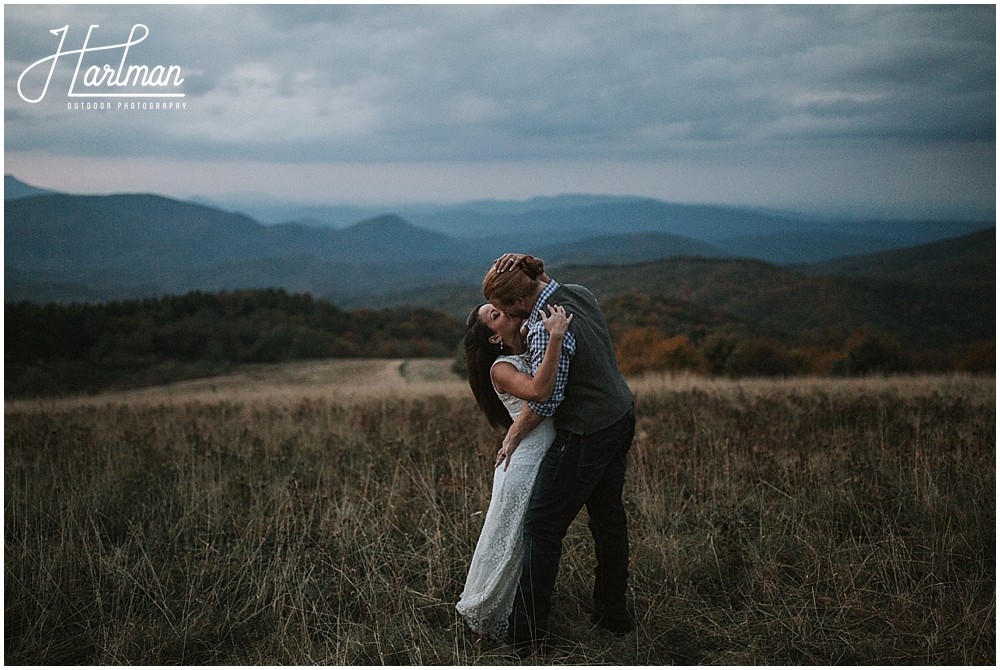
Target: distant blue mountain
(14, 188)
(269, 211)
(804, 246)
(149, 233)
(767, 234)
(624, 249)
(969, 260)
(541, 203)
(66, 247)
(771, 236)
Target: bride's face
(504, 326)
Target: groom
(592, 408)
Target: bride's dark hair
(480, 355)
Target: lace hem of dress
(492, 624)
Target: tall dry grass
(771, 522)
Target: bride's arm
(538, 388)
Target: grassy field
(325, 513)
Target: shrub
(762, 357)
(982, 357)
(646, 349)
(872, 353)
(716, 349)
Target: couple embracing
(542, 365)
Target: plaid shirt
(538, 341)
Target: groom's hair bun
(533, 267)
(509, 287)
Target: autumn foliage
(648, 349)
(642, 349)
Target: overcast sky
(877, 109)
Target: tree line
(861, 353)
(658, 333)
(57, 348)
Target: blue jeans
(577, 470)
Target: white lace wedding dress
(488, 598)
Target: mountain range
(954, 304)
(682, 268)
(775, 236)
(61, 247)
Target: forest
(54, 349)
(57, 349)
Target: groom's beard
(516, 313)
(513, 311)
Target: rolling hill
(928, 297)
(801, 307)
(534, 224)
(146, 233)
(14, 188)
(568, 218)
(969, 260)
(134, 233)
(803, 247)
(66, 248)
(63, 248)
(628, 248)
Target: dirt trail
(332, 379)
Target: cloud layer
(675, 84)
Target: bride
(500, 376)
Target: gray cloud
(411, 83)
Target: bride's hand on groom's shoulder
(557, 322)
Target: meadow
(325, 513)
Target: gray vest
(596, 394)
